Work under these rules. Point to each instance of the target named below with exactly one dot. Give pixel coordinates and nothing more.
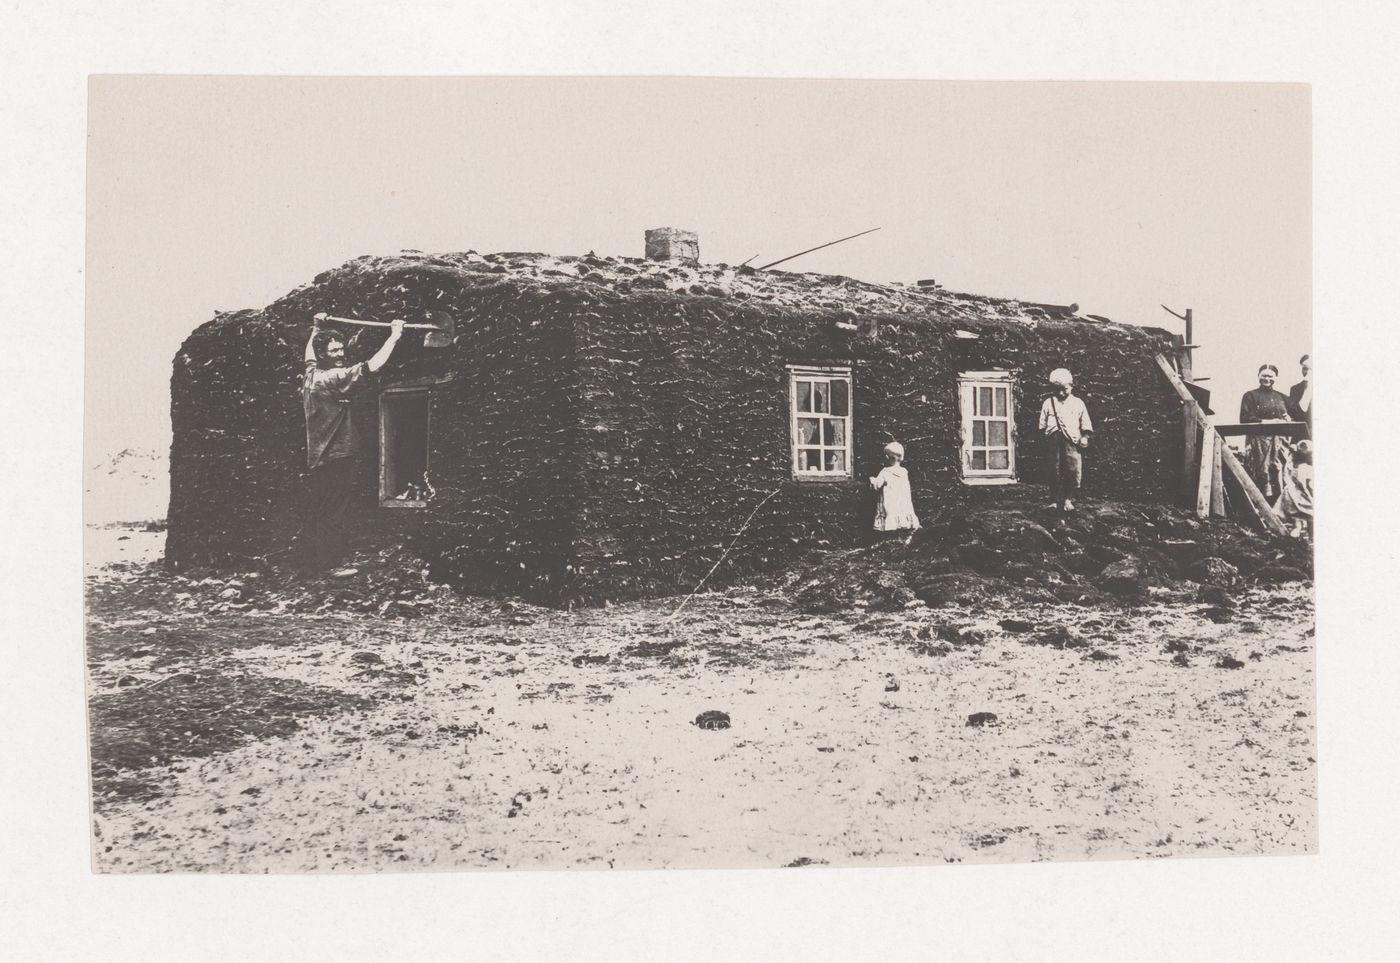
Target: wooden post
(1206, 473)
(1189, 428)
(1184, 345)
(1217, 484)
(1262, 509)
(1188, 450)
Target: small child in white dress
(895, 512)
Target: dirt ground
(495, 734)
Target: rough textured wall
(1135, 454)
(606, 440)
(501, 441)
(685, 408)
(504, 441)
(238, 441)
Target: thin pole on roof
(746, 262)
(1184, 357)
(811, 249)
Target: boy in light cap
(1065, 420)
(895, 511)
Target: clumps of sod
(1015, 548)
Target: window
(987, 402)
(403, 449)
(820, 400)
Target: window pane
(996, 433)
(836, 461)
(809, 459)
(840, 397)
(1000, 402)
(979, 432)
(979, 460)
(808, 431)
(984, 401)
(804, 396)
(821, 396)
(834, 432)
(999, 458)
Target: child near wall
(895, 512)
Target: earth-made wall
(590, 444)
(501, 437)
(685, 411)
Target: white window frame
(968, 383)
(798, 374)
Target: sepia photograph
(673, 473)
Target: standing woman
(1265, 454)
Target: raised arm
(1294, 403)
(310, 356)
(381, 357)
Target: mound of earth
(392, 583)
(1021, 550)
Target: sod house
(600, 428)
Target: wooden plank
(1217, 484)
(1291, 429)
(1208, 450)
(1262, 509)
(1183, 355)
(1239, 496)
(1257, 502)
(1190, 428)
(1181, 390)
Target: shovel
(440, 335)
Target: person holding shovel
(331, 441)
(1065, 421)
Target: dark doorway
(403, 449)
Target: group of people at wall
(1282, 469)
(1280, 466)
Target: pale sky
(209, 194)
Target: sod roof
(622, 275)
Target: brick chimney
(672, 244)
